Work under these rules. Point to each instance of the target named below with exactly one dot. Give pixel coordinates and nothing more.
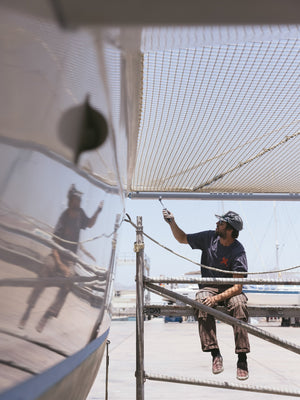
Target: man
(222, 250)
(57, 263)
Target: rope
(241, 164)
(87, 240)
(205, 266)
(83, 241)
(223, 154)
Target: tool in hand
(163, 206)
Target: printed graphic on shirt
(224, 261)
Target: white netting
(221, 117)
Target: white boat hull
(276, 296)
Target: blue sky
(265, 223)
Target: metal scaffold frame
(139, 249)
(143, 282)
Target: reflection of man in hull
(68, 227)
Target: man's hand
(67, 273)
(100, 206)
(65, 270)
(178, 233)
(169, 217)
(209, 301)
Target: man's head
(74, 197)
(233, 222)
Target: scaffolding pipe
(47, 282)
(226, 318)
(106, 370)
(254, 311)
(139, 250)
(224, 281)
(221, 385)
(215, 196)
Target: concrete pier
(173, 349)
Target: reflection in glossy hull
(58, 221)
(54, 301)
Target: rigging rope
(241, 164)
(205, 266)
(220, 155)
(87, 240)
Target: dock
(173, 349)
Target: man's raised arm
(178, 233)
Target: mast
(276, 238)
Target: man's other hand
(209, 301)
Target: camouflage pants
(237, 307)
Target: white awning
(219, 110)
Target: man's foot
(41, 325)
(24, 319)
(242, 371)
(22, 323)
(217, 365)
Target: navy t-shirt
(214, 254)
(68, 228)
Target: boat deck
(173, 349)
